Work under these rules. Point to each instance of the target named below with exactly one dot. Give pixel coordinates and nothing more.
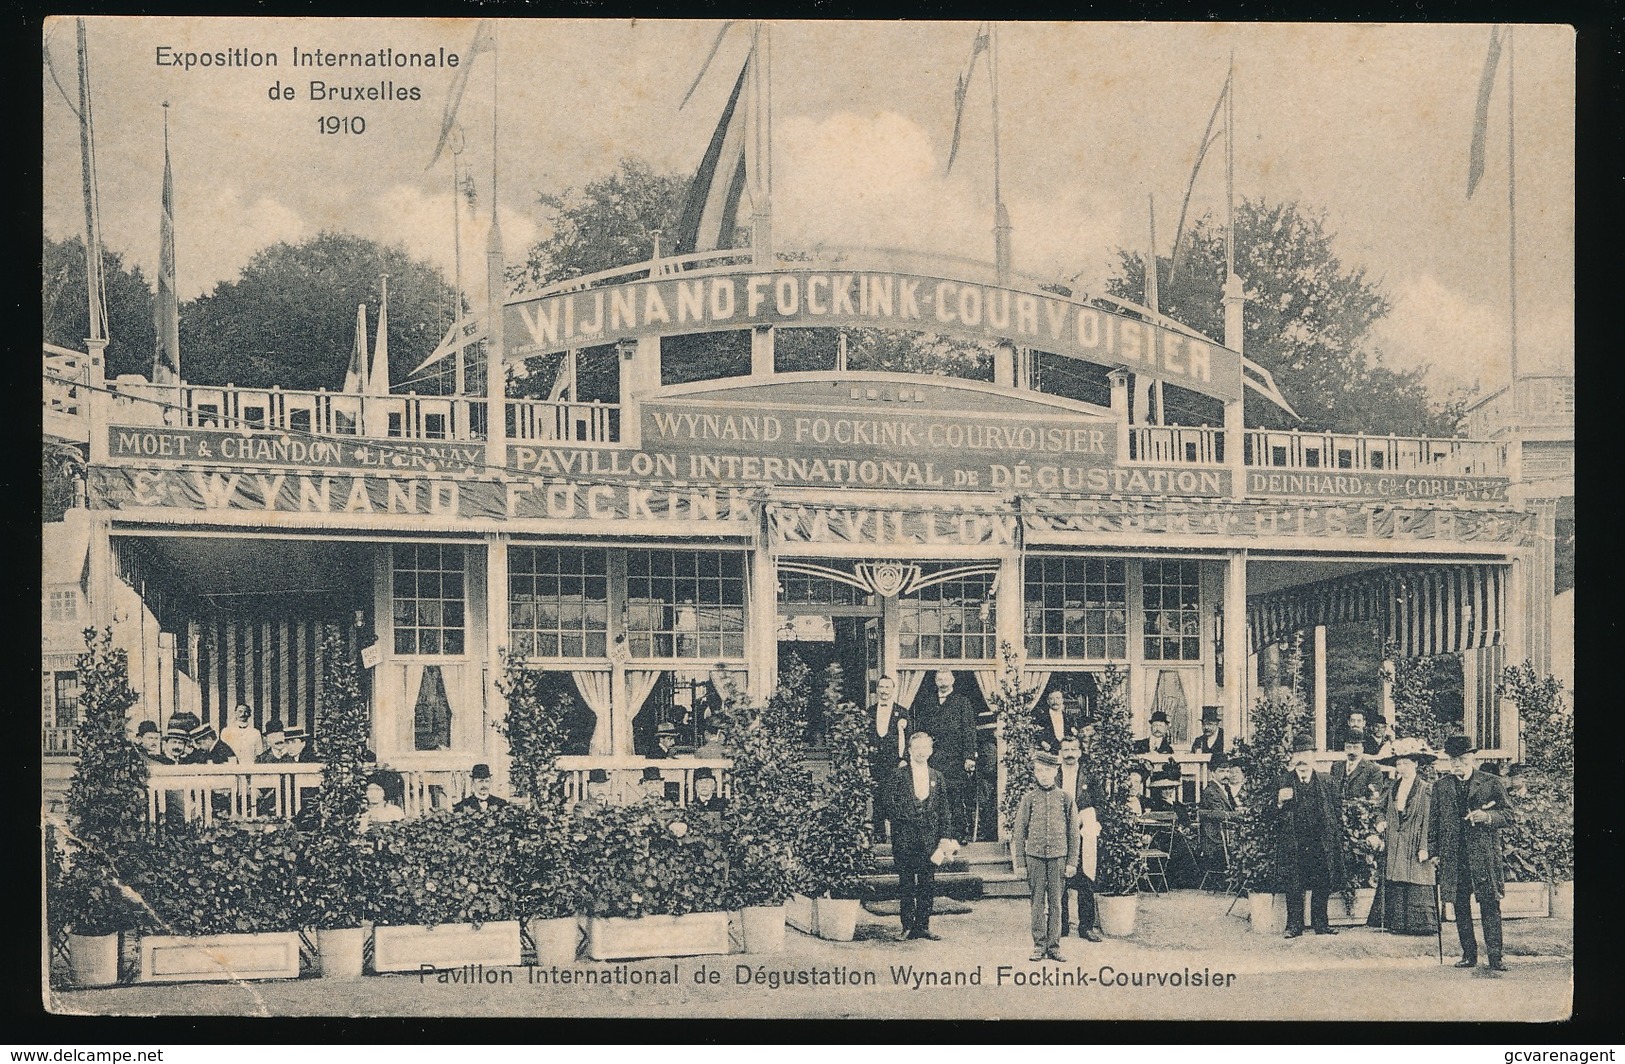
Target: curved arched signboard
(810, 298)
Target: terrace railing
(211, 793)
(626, 774)
(535, 420)
(1376, 454)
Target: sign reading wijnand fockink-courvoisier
(811, 298)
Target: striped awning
(1424, 610)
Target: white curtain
(908, 685)
(639, 682)
(1039, 678)
(988, 681)
(594, 688)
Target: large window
(62, 605)
(1172, 598)
(685, 604)
(1077, 609)
(428, 599)
(558, 602)
(949, 621)
(66, 692)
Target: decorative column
(1120, 409)
(496, 639)
(1235, 644)
(761, 351)
(762, 620)
(1235, 425)
(1320, 687)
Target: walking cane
(1438, 917)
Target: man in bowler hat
(706, 799)
(597, 796)
(1158, 743)
(1309, 840)
(480, 798)
(1470, 808)
(1211, 741)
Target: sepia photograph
(717, 519)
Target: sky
(1369, 123)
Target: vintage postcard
(803, 519)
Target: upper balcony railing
(64, 393)
(1270, 449)
(1541, 403)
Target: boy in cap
(480, 798)
(1044, 839)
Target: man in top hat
(241, 735)
(1075, 784)
(272, 754)
(150, 740)
(706, 799)
(597, 796)
(665, 740)
(1309, 840)
(480, 799)
(1052, 719)
(208, 748)
(1044, 842)
(922, 831)
(1211, 741)
(653, 784)
(1470, 807)
(1158, 743)
(949, 718)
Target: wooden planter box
(620, 937)
(1523, 900)
(1344, 913)
(210, 958)
(414, 947)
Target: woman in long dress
(1407, 896)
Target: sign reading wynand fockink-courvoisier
(713, 519)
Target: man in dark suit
(1357, 776)
(1221, 804)
(1464, 831)
(480, 797)
(1309, 840)
(918, 810)
(1211, 741)
(886, 735)
(1075, 784)
(1051, 719)
(949, 718)
(1357, 731)
(1158, 743)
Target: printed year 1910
(341, 124)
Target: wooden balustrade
(1176, 444)
(564, 422)
(1375, 454)
(59, 742)
(210, 793)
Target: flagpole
(1001, 220)
(1230, 173)
(460, 378)
(87, 163)
(1512, 204)
(1152, 295)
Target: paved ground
(1186, 960)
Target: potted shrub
(836, 848)
(1539, 846)
(224, 901)
(1362, 832)
(1264, 755)
(770, 791)
(336, 862)
(547, 887)
(1120, 863)
(105, 829)
(445, 891)
(1018, 733)
(656, 884)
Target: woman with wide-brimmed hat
(1405, 904)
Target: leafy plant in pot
(836, 848)
(1013, 699)
(106, 812)
(769, 791)
(1263, 755)
(1109, 753)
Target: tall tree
(1308, 321)
(606, 223)
(289, 317)
(65, 310)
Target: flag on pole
(166, 312)
(962, 88)
(355, 375)
(378, 381)
(712, 54)
(484, 41)
(711, 212)
(1481, 117)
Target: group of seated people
(186, 740)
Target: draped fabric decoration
(908, 685)
(639, 682)
(987, 681)
(1170, 698)
(1424, 610)
(594, 688)
(431, 716)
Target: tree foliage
(289, 317)
(65, 306)
(836, 847)
(1544, 717)
(606, 223)
(1109, 755)
(342, 728)
(535, 732)
(1012, 700)
(1264, 755)
(1308, 321)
